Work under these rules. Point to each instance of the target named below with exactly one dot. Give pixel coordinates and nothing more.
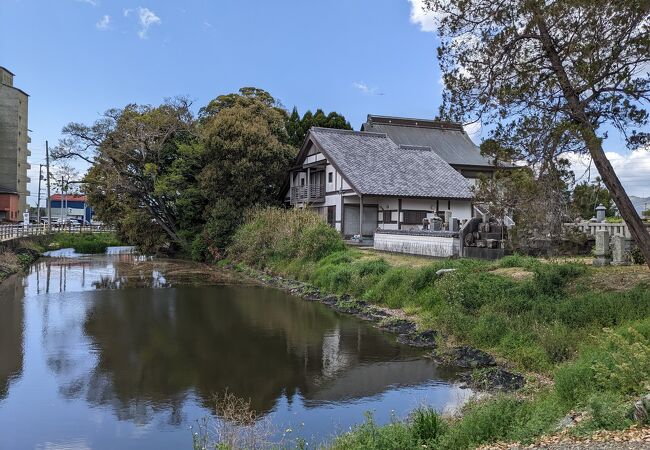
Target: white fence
(8, 232)
(417, 244)
(620, 229)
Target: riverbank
(583, 346)
(17, 257)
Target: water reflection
(11, 333)
(154, 358)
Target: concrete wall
(441, 247)
(13, 140)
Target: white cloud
(126, 12)
(632, 168)
(104, 23)
(146, 17)
(427, 20)
(90, 2)
(365, 89)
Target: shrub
(368, 436)
(275, 234)
(427, 425)
(88, 243)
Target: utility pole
(62, 222)
(38, 201)
(49, 202)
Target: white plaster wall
(461, 209)
(441, 247)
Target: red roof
(69, 197)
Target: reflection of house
(13, 148)
(362, 180)
(71, 206)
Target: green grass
(594, 344)
(88, 243)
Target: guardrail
(8, 232)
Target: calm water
(135, 368)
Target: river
(121, 351)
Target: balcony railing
(308, 194)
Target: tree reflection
(11, 333)
(156, 347)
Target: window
(387, 216)
(330, 177)
(331, 215)
(414, 217)
(302, 182)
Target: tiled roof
(447, 139)
(375, 165)
(69, 197)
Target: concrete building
(13, 148)
(71, 206)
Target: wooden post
(361, 216)
(308, 185)
(399, 213)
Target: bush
(87, 243)
(274, 234)
(369, 436)
(427, 425)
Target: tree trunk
(592, 142)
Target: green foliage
(587, 196)
(298, 127)
(275, 234)
(427, 425)
(370, 436)
(86, 243)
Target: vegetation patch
(85, 243)
(553, 321)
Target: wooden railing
(8, 232)
(307, 194)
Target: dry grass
(238, 426)
(397, 259)
(613, 278)
(515, 273)
(9, 262)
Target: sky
(78, 58)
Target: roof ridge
(415, 122)
(340, 131)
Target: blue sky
(77, 58)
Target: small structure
(602, 254)
(71, 206)
(9, 205)
(600, 213)
(620, 250)
(362, 182)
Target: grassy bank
(554, 321)
(15, 260)
(87, 243)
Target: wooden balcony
(313, 193)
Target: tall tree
(569, 69)
(587, 196)
(144, 167)
(298, 127)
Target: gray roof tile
(447, 139)
(375, 165)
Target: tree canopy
(554, 76)
(298, 127)
(167, 179)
